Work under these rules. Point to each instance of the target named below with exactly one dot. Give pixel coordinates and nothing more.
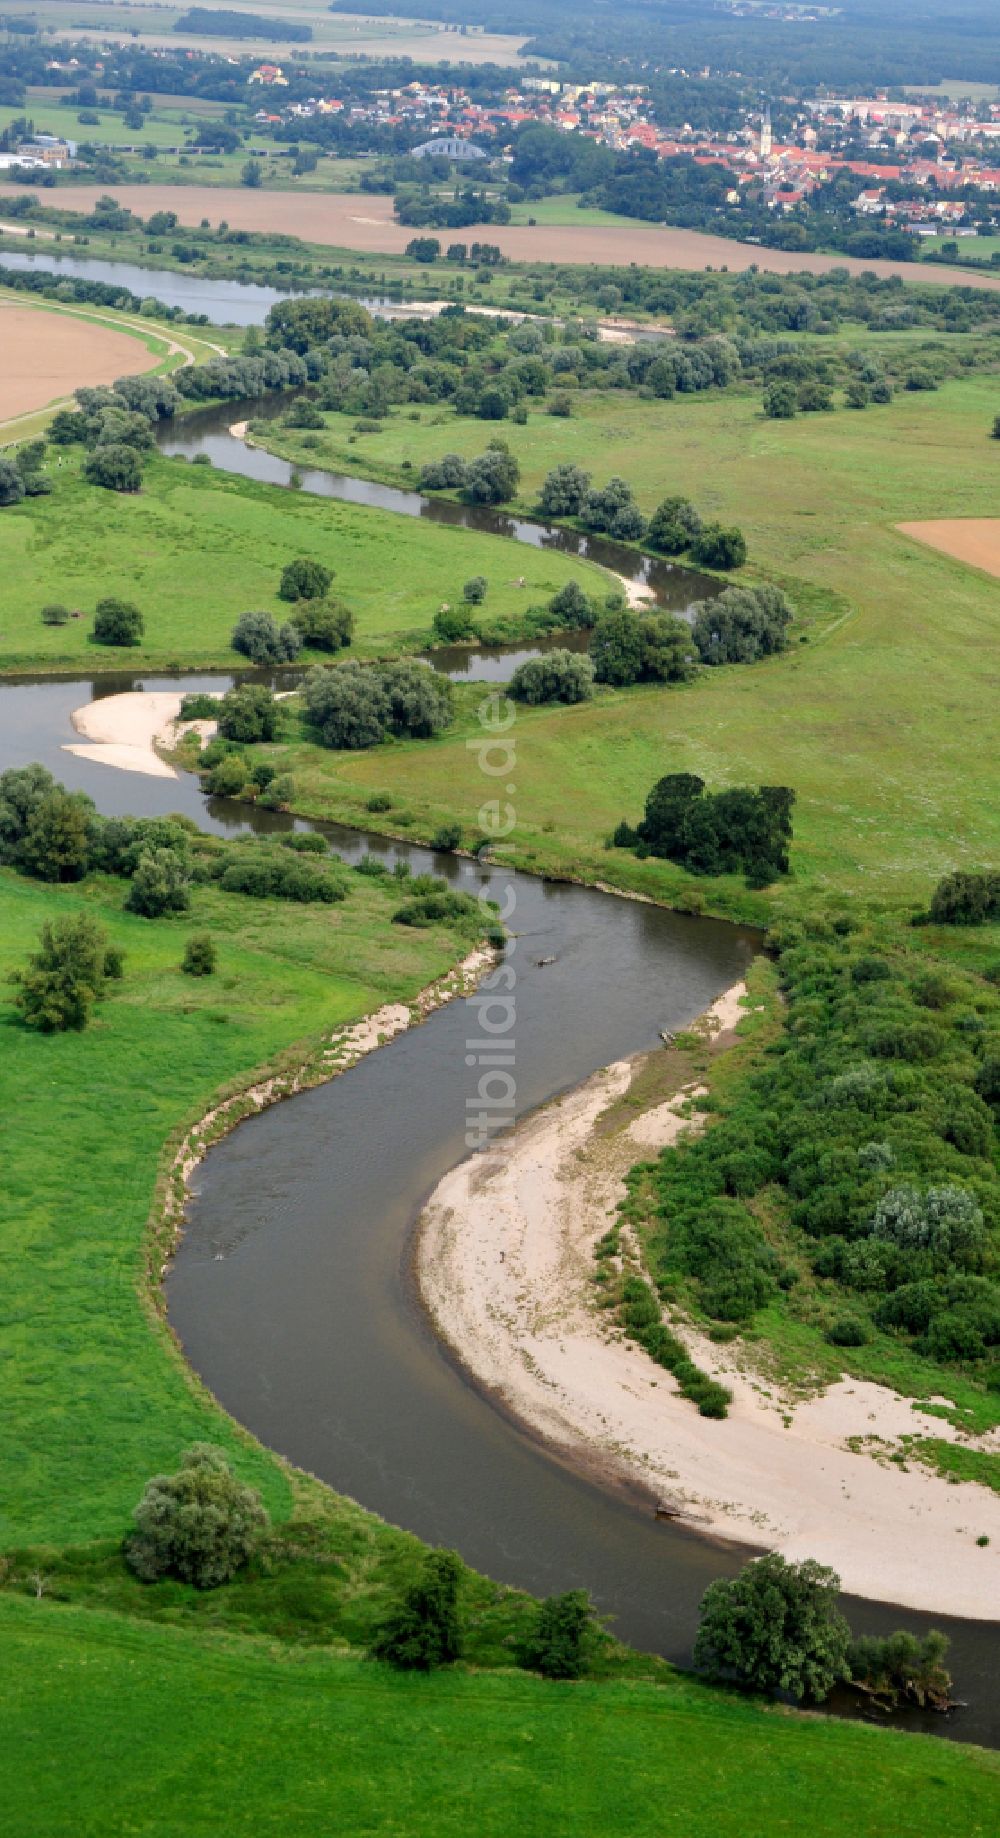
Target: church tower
(765, 135)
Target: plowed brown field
(975, 540)
(350, 220)
(46, 355)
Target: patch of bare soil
(975, 540)
(45, 356)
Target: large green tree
(776, 1627)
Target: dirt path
(365, 222)
(505, 1262)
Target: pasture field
(95, 1399)
(235, 1736)
(872, 720)
(196, 548)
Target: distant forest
(888, 42)
(219, 22)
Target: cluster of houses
(931, 148)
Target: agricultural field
(895, 662)
(335, 34)
(44, 357)
(81, 543)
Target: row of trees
(775, 1628)
(675, 527)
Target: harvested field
(46, 355)
(975, 540)
(364, 222)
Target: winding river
(291, 1291)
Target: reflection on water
(675, 589)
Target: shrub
(741, 625)
(115, 467)
(945, 1222)
(452, 624)
(557, 1646)
(673, 526)
(717, 547)
(249, 713)
(493, 477)
(64, 978)
(199, 955)
(902, 1667)
(117, 622)
(279, 793)
(256, 636)
(446, 474)
(305, 842)
(556, 676)
(629, 647)
(966, 899)
(447, 837)
(347, 705)
(849, 1331)
(474, 591)
(58, 836)
(613, 508)
(54, 614)
(229, 778)
(775, 1627)
(159, 885)
(199, 706)
(269, 877)
(571, 608)
(424, 1631)
(200, 1524)
(325, 625)
(724, 832)
(304, 579)
(379, 801)
(564, 491)
(11, 483)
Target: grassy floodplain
(195, 548)
(94, 1400)
(870, 720)
(235, 1736)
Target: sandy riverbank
(125, 730)
(504, 1261)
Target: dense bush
(628, 647)
(564, 491)
(885, 1165)
(159, 885)
(555, 676)
(674, 526)
(719, 547)
(558, 1644)
(117, 622)
(64, 977)
(58, 837)
(249, 713)
(741, 625)
(424, 1631)
(324, 625)
(613, 509)
(281, 877)
(353, 706)
(902, 1668)
(199, 955)
(304, 579)
(200, 1524)
(776, 1627)
(54, 613)
(116, 467)
(256, 636)
(724, 832)
(572, 608)
(966, 899)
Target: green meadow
(195, 548)
(95, 1399)
(113, 1727)
(876, 714)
